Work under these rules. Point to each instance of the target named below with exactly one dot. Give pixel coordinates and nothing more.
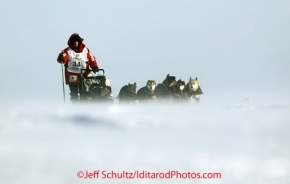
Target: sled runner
(96, 88)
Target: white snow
(244, 138)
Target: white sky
(230, 45)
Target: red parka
(73, 77)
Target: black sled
(96, 88)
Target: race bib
(77, 61)
(76, 65)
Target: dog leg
(196, 99)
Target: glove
(60, 58)
(96, 69)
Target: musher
(75, 58)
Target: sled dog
(147, 93)
(192, 90)
(128, 93)
(178, 90)
(165, 90)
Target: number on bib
(76, 63)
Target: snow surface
(246, 139)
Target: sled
(96, 88)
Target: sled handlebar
(89, 70)
(102, 71)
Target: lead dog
(192, 90)
(128, 93)
(147, 93)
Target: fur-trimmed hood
(76, 37)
